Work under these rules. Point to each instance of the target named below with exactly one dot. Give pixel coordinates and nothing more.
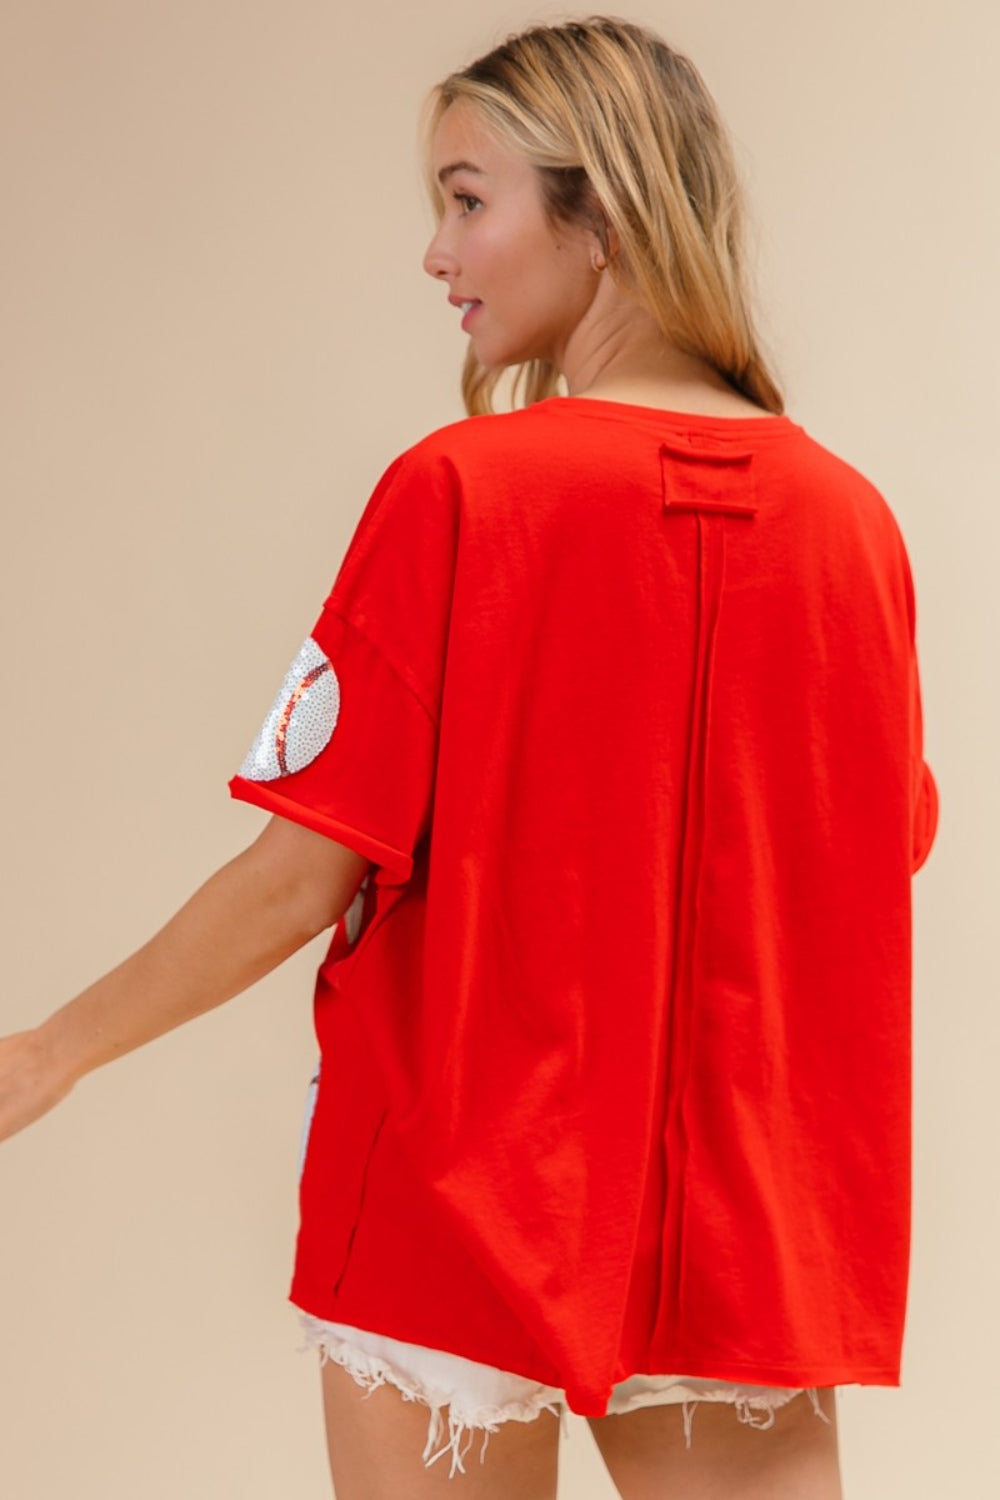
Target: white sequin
(301, 719)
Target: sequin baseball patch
(301, 720)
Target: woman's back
(648, 692)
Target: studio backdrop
(216, 335)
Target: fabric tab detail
(717, 480)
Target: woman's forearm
(253, 913)
(237, 927)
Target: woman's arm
(246, 919)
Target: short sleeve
(349, 744)
(923, 787)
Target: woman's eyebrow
(459, 166)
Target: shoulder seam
(401, 679)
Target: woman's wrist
(57, 1056)
(33, 1078)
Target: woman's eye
(467, 199)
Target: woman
(604, 762)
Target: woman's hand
(30, 1083)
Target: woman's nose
(438, 259)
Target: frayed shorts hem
(480, 1397)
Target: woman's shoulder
(551, 426)
(467, 448)
(470, 432)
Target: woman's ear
(605, 248)
(606, 242)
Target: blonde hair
(623, 132)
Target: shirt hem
(398, 865)
(585, 1401)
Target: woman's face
(531, 284)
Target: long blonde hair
(621, 128)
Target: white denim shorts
(479, 1397)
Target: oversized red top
(623, 706)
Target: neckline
(692, 420)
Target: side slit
(361, 1204)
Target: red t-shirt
(623, 706)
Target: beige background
(216, 335)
